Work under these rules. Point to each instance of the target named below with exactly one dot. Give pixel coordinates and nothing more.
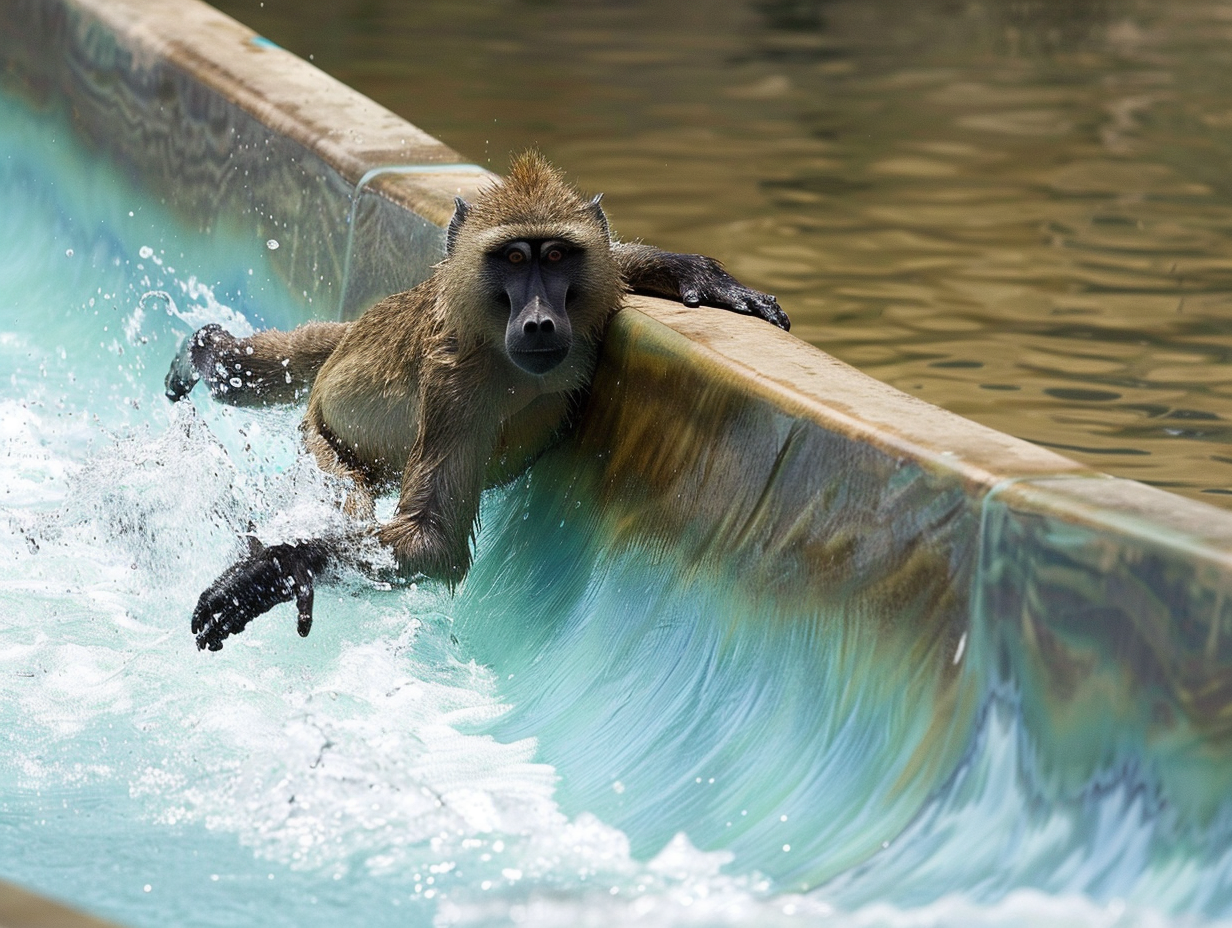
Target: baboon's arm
(266, 577)
(277, 574)
(693, 280)
(429, 534)
(264, 369)
(443, 480)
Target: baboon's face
(536, 277)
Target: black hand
(196, 358)
(186, 366)
(703, 280)
(182, 376)
(735, 296)
(253, 586)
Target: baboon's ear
(600, 216)
(460, 209)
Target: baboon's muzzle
(539, 335)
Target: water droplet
(272, 244)
(146, 251)
(68, 252)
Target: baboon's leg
(267, 368)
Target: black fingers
(726, 292)
(765, 306)
(253, 586)
(303, 601)
(694, 280)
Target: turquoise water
(583, 736)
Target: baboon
(432, 389)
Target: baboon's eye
(516, 257)
(554, 254)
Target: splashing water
(576, 739)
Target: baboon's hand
(197, 353)
(703, 280)
(184, 372)
(253, 586)
(182, 376)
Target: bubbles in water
(131, 497)
(132, 325)
(203, 307)
(272, 244)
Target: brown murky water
(1017, 209)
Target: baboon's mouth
(539, 360)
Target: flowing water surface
(1019, 210)
(576, 738)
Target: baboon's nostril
(530, 327)
(547, 326)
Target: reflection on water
(1020, 210)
